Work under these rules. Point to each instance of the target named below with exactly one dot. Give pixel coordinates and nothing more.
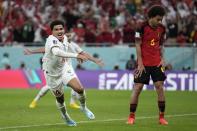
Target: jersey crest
(54, 42)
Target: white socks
(82, 100)
(73, 96)
(42, 92)
(62, 109)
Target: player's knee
(159, 87)
(138, 87)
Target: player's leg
(138, 86)
(69, 74)
(57, 89)
(158, 77)
(59, 94)
(73, 100)
(40, 94)
(134, 102)
(77, 87)
(161, 102)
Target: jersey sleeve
(52, 42)
(139, 32)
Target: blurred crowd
(107, 22)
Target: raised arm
(77, 49)
(58, 52)
(34, 51)
(97, 61)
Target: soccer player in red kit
(150, 61)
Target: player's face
(58, 32)
(69, 36)
(156, 20)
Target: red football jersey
(151, 41)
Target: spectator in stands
(22, 65)
(186, 68)
(121, 17)
(117, 36)
(105, 15)
(6, 33)
(116, 67)
(182, 9)
(79, 31)
(131, 7)
(182, 37)
(5, 62)
(17, 34)
(131, 64)
(70, 15)
(194, 7)
(28, 31)
(193, 35)
(129, 31)
(168, 66)
(90, 35)
(172, 27)
(93, 66)
(38, 38)
(80, 67)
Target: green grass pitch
(111, 109)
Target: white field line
(94, 121)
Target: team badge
(54, 42)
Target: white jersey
(73, 48)
(52, 64)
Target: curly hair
(156, 10)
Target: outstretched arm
(99, 62)
(77, 49)
(35, 51)
(58, 52)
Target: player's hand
(82, 57)
(80, 61)
(27, 51)
(140, 69)
(99, 62)
(162, 63)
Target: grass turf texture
(111, 109)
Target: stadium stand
(94, 22)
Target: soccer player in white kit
(69, 73)
(56, 53)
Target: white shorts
(55, 83)
(68, 74)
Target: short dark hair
(156, 10)
(56, 22)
